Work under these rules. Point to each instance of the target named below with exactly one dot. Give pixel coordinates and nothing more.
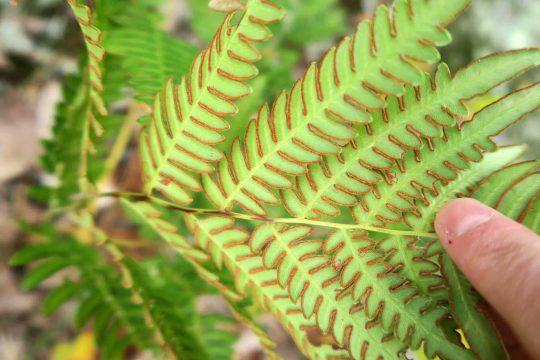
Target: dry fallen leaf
(225, 5)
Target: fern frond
(465, 180)
(407, 256)
(423, 111)
(465, 303)
(216, 277)
(315, 117)
(364, 279)
(394, 298)
(149, 215)
(227, 243)
(463, 300)
(492, 188)
(187, 119)
(79, 119)
(163, 313)
(149, 56)
(91, 97)
(217, 340)
(118, 322)
(516, 198)
(292, 319)
(451, 154)
(96, 54)
(531, 216)
(514, 192)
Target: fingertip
(482, 241)
(459, 217)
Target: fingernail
(472, 220)
(459, 217)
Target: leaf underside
(367, 138)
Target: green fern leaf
(96, 54)
(387, 294)
(465, 305)
(150, 216)
(165, 315)
(455, 152)
(187, 119)
(407, 256)
(463, 301)
(99, 297)
(94, 105)
(422, 112)
(465, 180)
(226, 243)
(515, 200)
(531, 217)
(297, 262)
(79, 120)
(492, 189)
(314, 119)
(150, 56)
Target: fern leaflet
(187, 119)
(460, 147)
(226, 243)
(467, 178)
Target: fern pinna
(321, 210)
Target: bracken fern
(316, 206)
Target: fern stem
(167, 204)
(120, 144)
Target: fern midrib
(324, 105)
(274, 220)
(410, 265)
(215, 74)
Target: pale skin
(501, 258)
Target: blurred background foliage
(40, 45)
